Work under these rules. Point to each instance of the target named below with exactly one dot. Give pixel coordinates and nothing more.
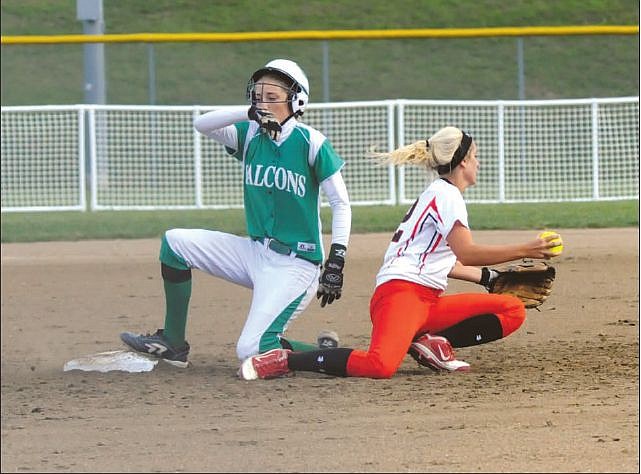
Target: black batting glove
(266, 120)
(331, 280)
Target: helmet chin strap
(287, 119)
(290, 97)
(293, 114)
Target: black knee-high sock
(325, 361)
(474, 331)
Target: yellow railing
(326, 35)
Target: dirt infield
(559, 395)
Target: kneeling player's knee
(250, 345)
(381, 369)
(512, 315)
(245, 349)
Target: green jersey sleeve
(327, 161)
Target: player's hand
(266, 120)
(331, 280)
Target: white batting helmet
(299, 91)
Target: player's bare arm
(465, 273)
(470, 253)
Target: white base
(125, 361)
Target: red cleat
(436, 353)
(268, 365)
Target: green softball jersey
(282, 185)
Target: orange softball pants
(400, 310)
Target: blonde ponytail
(431, 153)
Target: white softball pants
(283, 285)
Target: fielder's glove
(266, 120)
(331, 280)
(530, 281)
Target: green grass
(51, 226)
(216, 73)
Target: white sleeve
(218, 125)
(336, 191)
(454, 210)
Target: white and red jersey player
(419, 251)
(409, 299)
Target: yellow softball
(558, 248)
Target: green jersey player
(285, 165)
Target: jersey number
(397, 235)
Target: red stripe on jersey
(430, 205)
(429, 251)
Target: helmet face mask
(291, 73)
(261, 90)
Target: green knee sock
(177, 303)
(297, 345)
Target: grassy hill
(216, 73)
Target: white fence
(150, 157)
